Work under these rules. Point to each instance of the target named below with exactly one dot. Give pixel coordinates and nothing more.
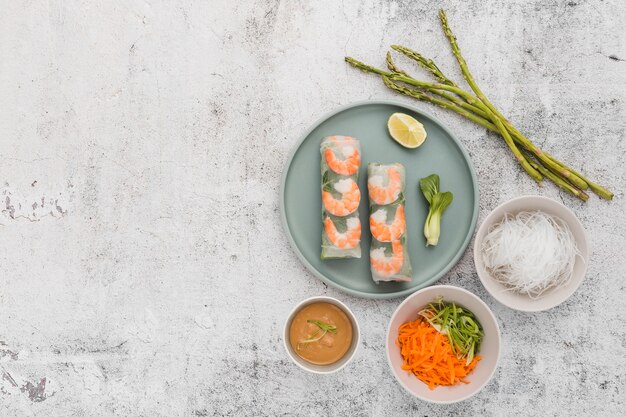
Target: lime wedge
(405, 130)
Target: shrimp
(384, 232)
(350, 198)
(385, 195)
(343, 145)
(349, 239)
(384, 266)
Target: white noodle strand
(530, 252)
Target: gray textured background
(143, 268)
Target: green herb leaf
(326, 185)
(341, 223)
(430, 186)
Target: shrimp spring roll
(389, 256)
(341, 231)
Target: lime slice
(405, 130)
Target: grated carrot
(429, 356)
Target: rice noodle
(530, 252)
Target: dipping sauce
(320, 333)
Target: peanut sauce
(332, 345)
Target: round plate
(441, 154)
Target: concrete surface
(143, 268)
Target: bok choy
(438, 202)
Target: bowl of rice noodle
(531, 253)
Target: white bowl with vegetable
(443, 344)
(531, 253)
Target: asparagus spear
(470, 80)
(447, 94)
(430, 65)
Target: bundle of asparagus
(447, 94)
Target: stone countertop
(143, 267)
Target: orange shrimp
(350, 198)
(349, 239)
(384, 232)
(344, 146)
(385, 195)
(386, 267)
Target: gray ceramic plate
(441, 154)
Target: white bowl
(553, 297)
(333, 367)
(489, 349)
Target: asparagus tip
(364, 67)
(355, 63)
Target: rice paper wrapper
(378, 174)
(342, 146)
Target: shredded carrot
(429, 356)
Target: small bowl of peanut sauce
(321, 335)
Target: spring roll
(389, 256)
(341, 231)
